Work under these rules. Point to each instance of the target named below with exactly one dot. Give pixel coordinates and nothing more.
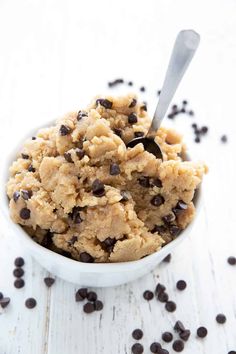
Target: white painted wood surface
(54, 56)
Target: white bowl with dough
(84, 274)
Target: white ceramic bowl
(85, 274)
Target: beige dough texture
(78, 190)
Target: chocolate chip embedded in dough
(133, 103)
(138, 134)
(31, 168)
(16, 196)
(104, 102)
(25, 213)
(81, 114)
(25, 156)
(26, 194)
(86, 257)
(114, 169)
(64, 130)
(132, 118)
(67, 156)
(174, 230)
(157, 200)
(72, 241)
(169, 218)
(98, 188)
(80, 153)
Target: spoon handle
(184, 49)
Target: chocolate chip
(18, 272)
(171, 115)
(80, 153)
(194, 126)
(148, 295)
(231, 260)
(138, 134)
(163, 351)
(174, 230)
(31, 168)
(25, 213)
(197, 139)
(160, 288)
(125, 196)
(133, 103)
(72, 241)
(86, 257)
(137, 334)
(163, 297)
(232, 352)
(81, 115)
(25, 156)
(91, 296)
(142, 89)
(170, 306)
(221, 318)
(26, 194)
(19, 262)
(67, 156)
(118, 132)
(4, 302)
(181, 205)
(179, 327)
(178, 345)
(109, 243)
(16, 196)
(1, 296)
(81, 294)
(49, 281)
(75, 215)
(157, 182)
(157, 200)
(167, 259)
(191, 113)
(201, 332)
(64, 130)
(33, 137)
(114, 169)
(19, 283)
(115, 82)
(30, 303)
(144, 181)
(144, 107)
(161, 229)
(155, 347)
(182, 110)
(204, 130)
(185, 335)
(130, 83)
(89, 307)
(167, 337)
(181, 285)
(132, 118)
(169, 218)
(185, 102)
(105, 103)
(98, 188)
(98, 305)
(224, 139)
(158, 92)
(137, 348)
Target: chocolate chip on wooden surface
(137, 348)
(181, 284)
(148, 295)
(19, 283)
(4, 302)
(170, 306)
(98, 305)
(179, 327)
(221, 318)
(49, 281)
(155, 347)
(30, 303)
(167, 259)
(178, 345)
(137, 334)
(167, 337)
(18, 272)
(19, 262)
(89, 307)
(202, 332)
(185, 335)
(163, 297)
(231, 260)
(81, 294)
(91, 296)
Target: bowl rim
(87, 267)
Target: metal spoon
(184, 49)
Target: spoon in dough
(184, 49)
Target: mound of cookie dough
(76, 189)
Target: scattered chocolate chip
(109, 243)
(91, 296)
(33, 137)
(25, 156)
(182, 110)
(157, 182)
(26, 194)
(86, 257)
(81, 294)
(155, 347)
(16, 196)
(125, 196)
(98, 305)
(118, 132)
(185, 335)
(18, 272)
(167, 259)
(158, 92)
(148, 295)
(142, 89)
(75, 215)
(232, 352)
(197, 139)
(163, 351)
(130, 83)
(138, 134)
(19, 283)
(224, 139)
(68, 158)
(181, 285)
(49, 281)
(30, 303)
(98, 188)
(115, 82)
(161, 229)
(163, 297)
(81, 115)
(231, 260)
(167, 337)
(132, 118)
(80, 153)
(174, 230)
(191, 113)
(133, 103)
(170, 115)
(1, 296)
(137, 334)
(64, 130)
(185, 102)
(144, 181)
(105, 103)
(114, 169)
(4, 302)
(221, 318)
(194, 126)
(204, 130)
(89, 307)
(160, 288)
(201, 332)
(31, 168)
(137, 348)
(178, 345)
(72, 241)
(25, 213)
(170, 306)
(19, 262)
(157, 200)
(179, 327)
(169, 218)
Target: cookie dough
(76, 189)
